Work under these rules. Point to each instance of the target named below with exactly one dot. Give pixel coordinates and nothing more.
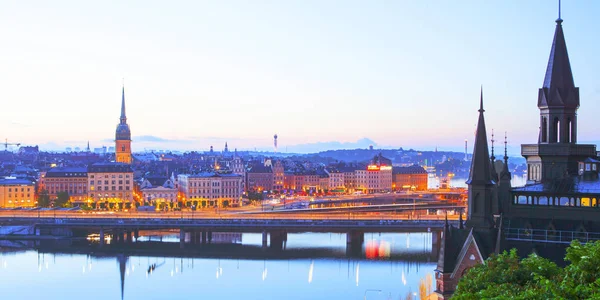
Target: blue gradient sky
(401, 73)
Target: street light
(371, 290)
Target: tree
(505, 276)
(44, 199)
(581, 278)
(62, 199)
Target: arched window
(555, 131)
(544, 130)
(570, 137)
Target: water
(434, 182)
(312, 266)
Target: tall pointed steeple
(480, 164)
(123, 115)
(123, 136)
(558, 71)
(558, 99)
(482, 188)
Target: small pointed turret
(480, 164)
(493, 161)
(505, 171)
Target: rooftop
(573, 185)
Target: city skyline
(188, 88)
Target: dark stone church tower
(123, 137)
(556, 154)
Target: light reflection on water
(398, 263)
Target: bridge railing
(118, 222)
(550, 236)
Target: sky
(201, 73)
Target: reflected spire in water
(122, 259)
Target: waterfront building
(157, 190)
(323, 181)
(110, 184)
(278, 175)
(73, 180)
(376, 177)
(17, 193)
(211, 189)
(289, 181)
(259, 178)
(350, 182)
(336, 179)
(123, 136)
(410, 178)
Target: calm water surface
(312, 266)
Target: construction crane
(6, 144)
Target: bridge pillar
(181, 238)
(136, 234)
(264, 239)
(101, 236)
(277, 239)
(203, 237)
(128, 239)
(209, 234)
(354, 243)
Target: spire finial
(505, 146)
(493, 157)
(481, 101)
(559, 20)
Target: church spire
(123, 116)
(558, 74)
(480, 164)
(558, 99)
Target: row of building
(113, 183)
(374, 177)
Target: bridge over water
(200, 230)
